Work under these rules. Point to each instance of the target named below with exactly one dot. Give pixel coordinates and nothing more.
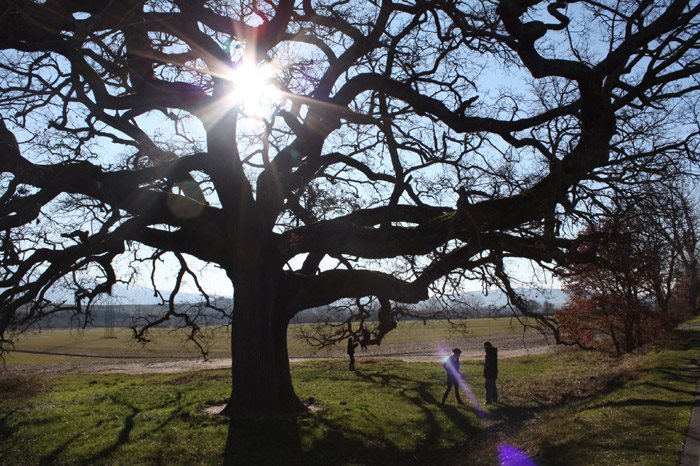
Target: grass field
(560, 408)
(409, 337)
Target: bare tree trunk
(693, 286)
(261, 380)
(630, 332)
(262, 393)
(613, 337)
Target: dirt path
(165, 366)
(691, 450)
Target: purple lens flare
(508, 455)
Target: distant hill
(137, 295)
(129, 302)
(497, 298)
(134, 295)
(473, 303)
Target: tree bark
(261, 380)
(693, 286)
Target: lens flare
(254, 88)
(508, 455)
(462, 382)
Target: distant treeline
(458, 310)
(127, 315)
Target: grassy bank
(562, 408)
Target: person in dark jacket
(491, 372)
(454, 375)
(364, 337)
(351, 352)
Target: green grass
(172, 344)
(569, 408)
(634, 411)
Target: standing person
(365, 336)
(491, 372)
(351, 352)
(454, 375)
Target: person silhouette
(491, 372)
(454, 375)
(351, 352)
(364, 337)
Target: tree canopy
(376, 148)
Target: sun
(254, 88)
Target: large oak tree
(412, 144)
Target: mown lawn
(566, 408)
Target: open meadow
(559, 408)
(411, 339)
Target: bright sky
(257, 96)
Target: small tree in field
(603, 310)
(316, 151)
(625, 297)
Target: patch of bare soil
(430, 357)
(509, 345)
(213, 410)
(136, 366)
(316, 408)
(169, 366)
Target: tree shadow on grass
(320, 439)
(123, 437)
(511, 416)
(8, 427)
(683, 340)
(405, 387)
(557, 454)
(645, 402)
(670, 389)
(601, 437)
(5, 429)
(53, 455)
(678, 375)
(263, 442)
(178, 413)
(280, 442)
